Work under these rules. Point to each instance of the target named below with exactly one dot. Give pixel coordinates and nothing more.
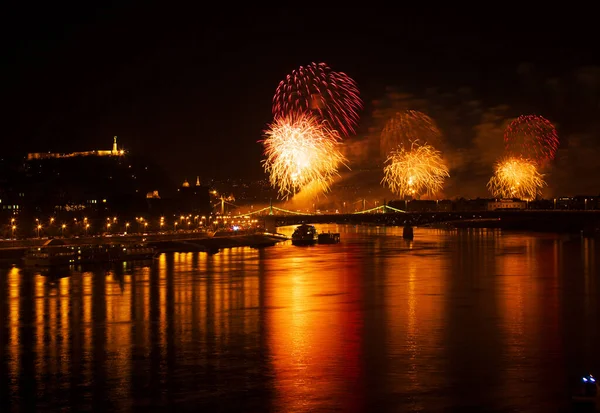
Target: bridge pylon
(271, 224)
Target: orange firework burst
(301, 152)
(516, 177)
(407, 127)
(416, 171)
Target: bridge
(533, 220)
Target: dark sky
(192, 87)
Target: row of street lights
(112, 223)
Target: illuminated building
(193, 199)
(50, 155)
(506, 204)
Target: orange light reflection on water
(118, 332)
(314, 326)
(415, 283)
(13, 347)
(527, 293)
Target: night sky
(192, 87)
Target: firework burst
(331, 96)
(301, 152)
(407, 127)
(516, 177)
(532, 137)
(416, 171)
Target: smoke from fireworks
(516, 177)
(417, 170)
(532, 137)
(332, 96)
(301, 152)
(407, 127)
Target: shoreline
(201, 242)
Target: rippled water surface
(455, 321)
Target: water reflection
(314, 333)
(414, 286)
(454, 320)
(526, 290)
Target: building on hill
(115, 151)
(193, 199)
(92, 183)
(189, 200)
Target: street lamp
(108, 227)
(38, 230)
(14, 227)
(175, 226)
(87, 226)
(63, 226)
(126, 226)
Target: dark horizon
(193, 90)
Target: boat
(138, 252)
(304, 235)
(49, 256)
(589, 392)
(328, 238)
(65, 255)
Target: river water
(454, 321)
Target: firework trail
(331, 96)
(516, 177)
(301, 152)
(417, 170)
(407, 127)
(532, 137)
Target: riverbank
(12, 252)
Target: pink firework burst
(332, 96)
(532, 137)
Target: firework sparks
(516, 177)
(419, 170)
(301, 152)
(532, 137)
(407, 127)
(332, 96)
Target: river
(454, 321)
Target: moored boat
(329, 238)
(65, 255)
(49, 256)
(304, 235)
